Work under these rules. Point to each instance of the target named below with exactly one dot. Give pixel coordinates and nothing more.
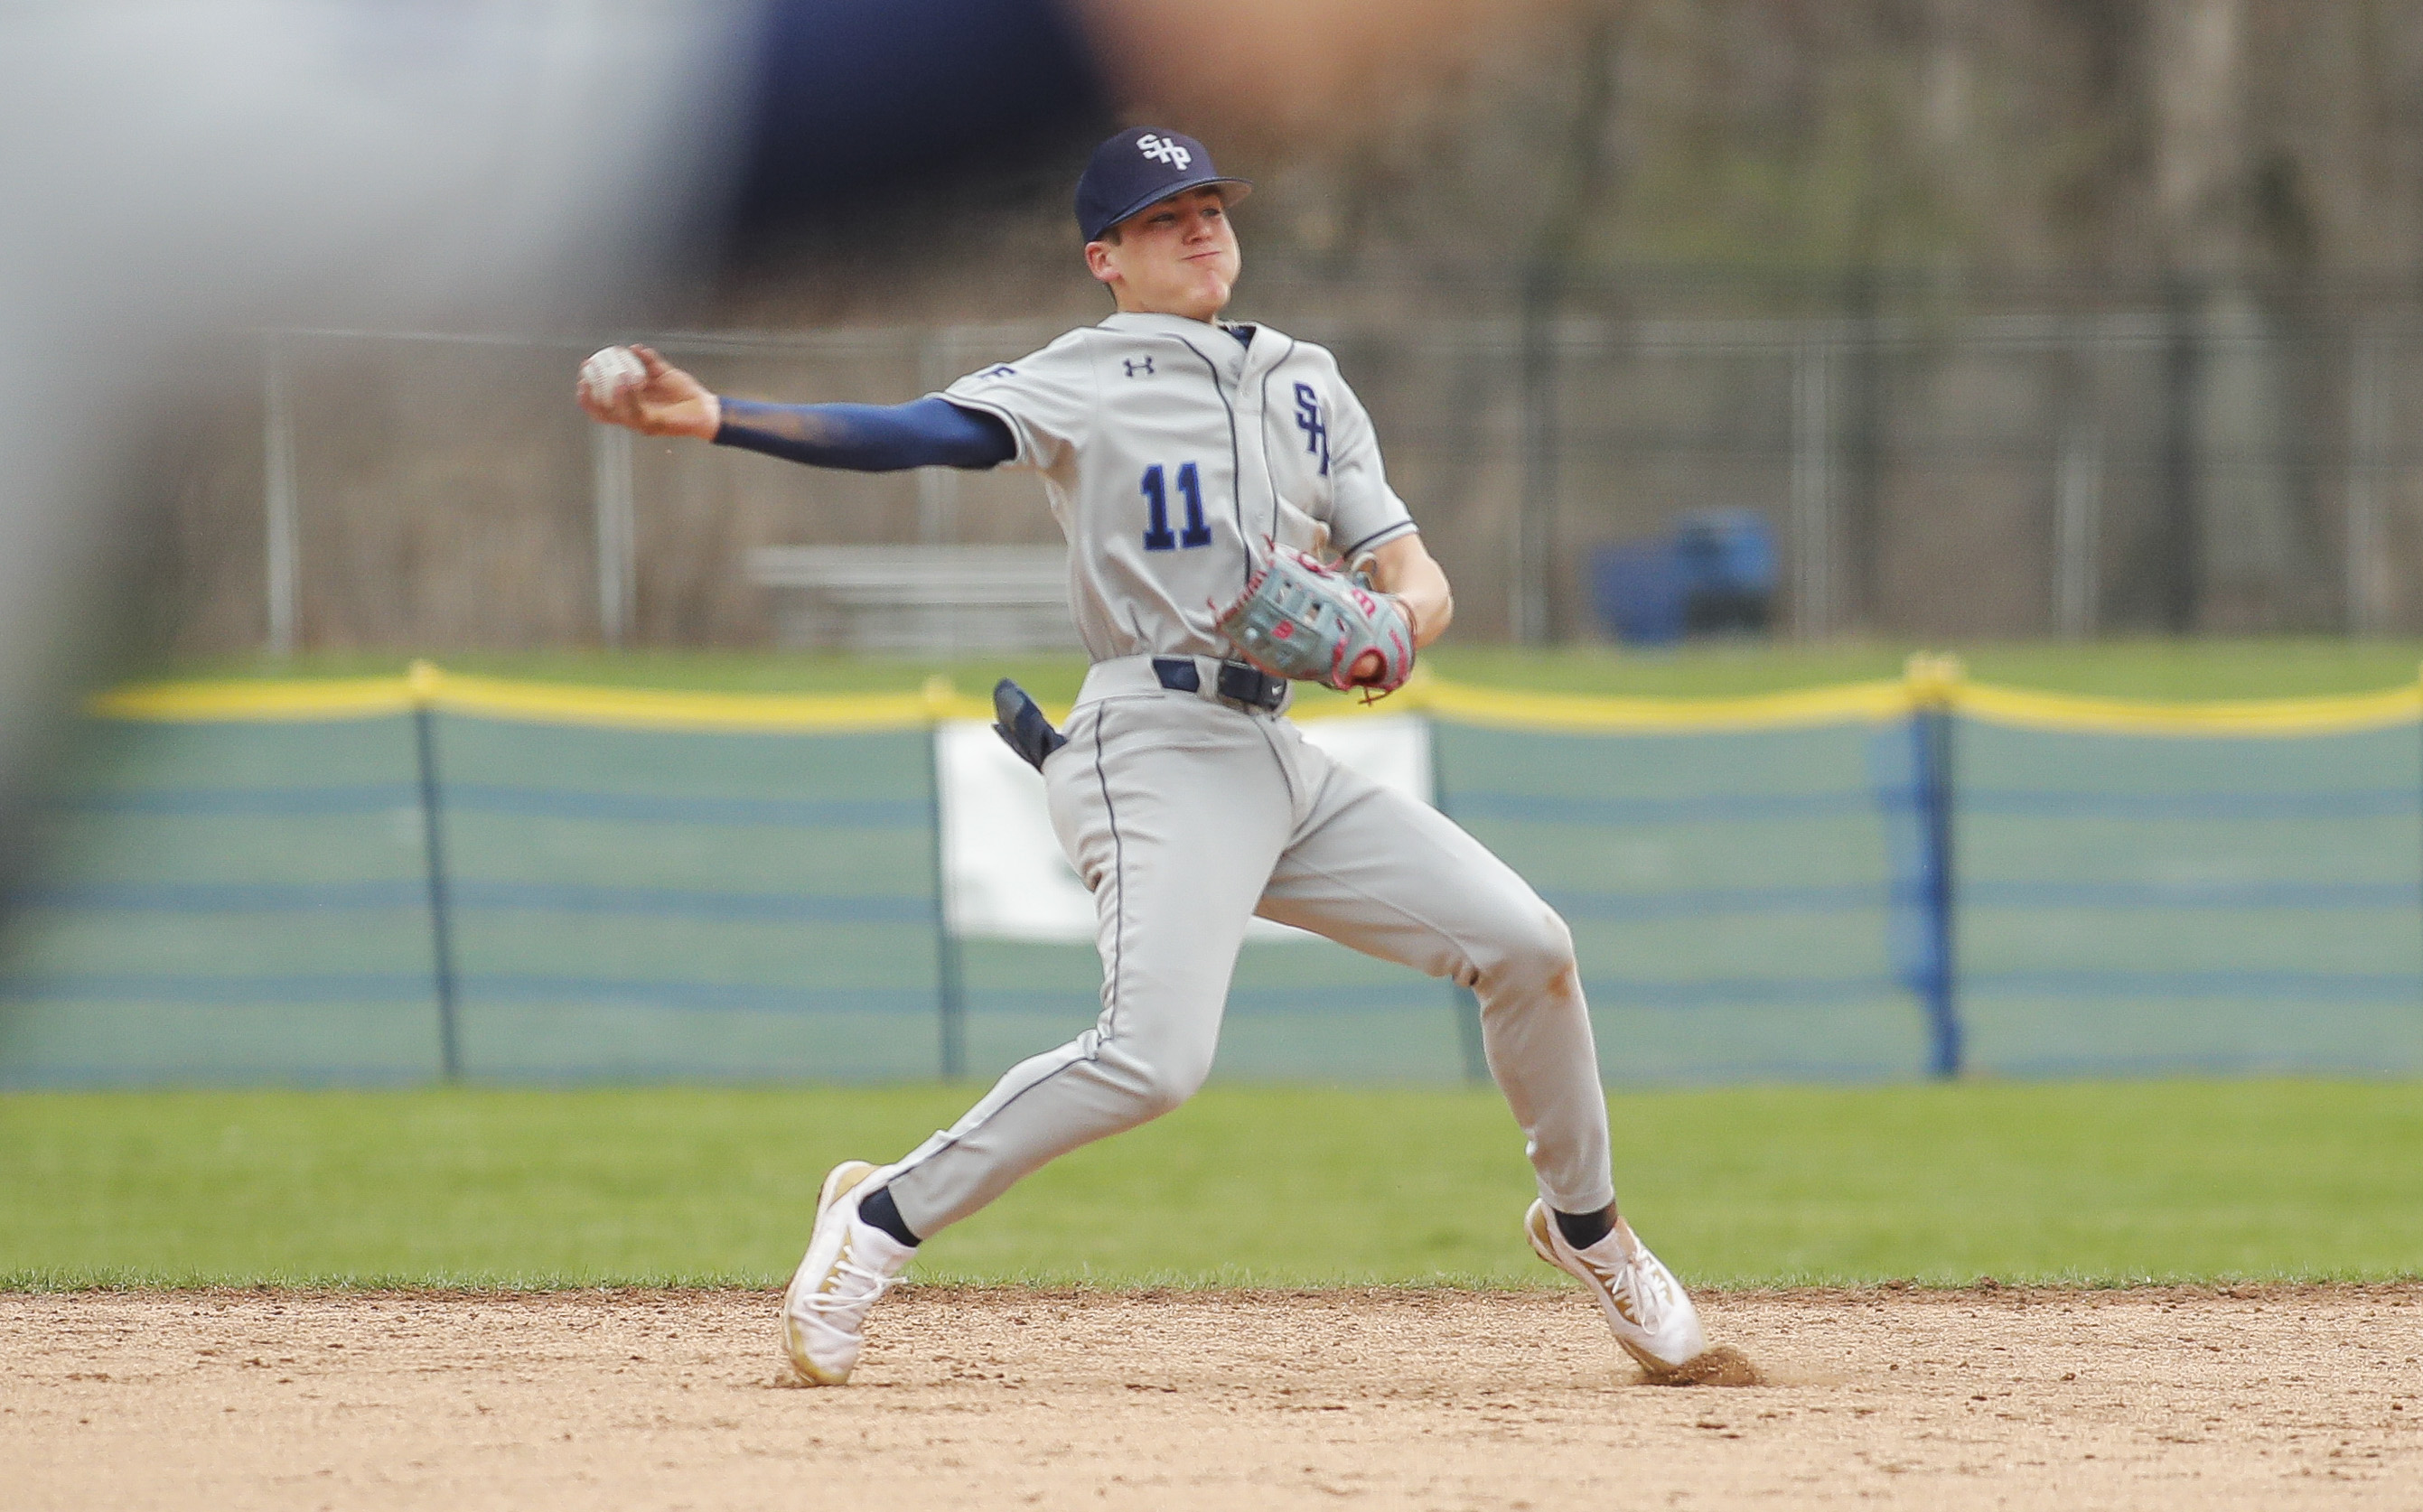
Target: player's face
(1177, 258)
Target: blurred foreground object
(178, 175)
(1349, 72)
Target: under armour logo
(1137, 367)
(1161, 150)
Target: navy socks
(882, 1212)
(1581, 1230)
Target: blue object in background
(1714, 575)
(1639, 591)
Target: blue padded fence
(1900, 888)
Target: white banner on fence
(1002, 868)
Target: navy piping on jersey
(1386, 532)
(1236, 465)
(1269, 475)
(1120, 880)
(957, 1138)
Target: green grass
(2279, 668)
(2107, 1183)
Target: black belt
(1239, 681)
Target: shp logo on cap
(1141, 167)
(1164, 151)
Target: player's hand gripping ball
(631, 385)
(1299, 618)
(607, 373)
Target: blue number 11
(1157, 536)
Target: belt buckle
(1250, 685)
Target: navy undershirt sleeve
(925, 433)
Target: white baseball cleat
(1646, 1307)
(848, 1264)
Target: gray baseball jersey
(1170, 450)
(1173, 450)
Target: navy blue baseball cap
(1143, 167)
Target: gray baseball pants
(1185, 816)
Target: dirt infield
(1995, 1398)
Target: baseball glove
(1299, 618)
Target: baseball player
(1205, 475)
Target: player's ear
(1097, 262)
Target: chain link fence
(2194, 460)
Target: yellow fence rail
(1931, 682)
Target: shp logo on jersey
(1161, 151)
(1315, 429)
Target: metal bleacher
(932, 599)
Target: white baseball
(607, 373)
